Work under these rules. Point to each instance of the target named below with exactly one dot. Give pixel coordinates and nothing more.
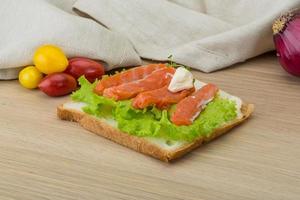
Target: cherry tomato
(50, 59)
(91, 69)
(58, 84)
(30, 77)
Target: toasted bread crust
(140, 144)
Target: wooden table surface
(42, 157)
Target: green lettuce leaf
(152, 122)
(96, 105)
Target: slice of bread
(158, 148)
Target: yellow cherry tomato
(50, 59)
(30, 77)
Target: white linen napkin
(210, 35)
(26, 24)
(204, 34)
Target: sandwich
(156, 109)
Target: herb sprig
(171, 63)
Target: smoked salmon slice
(188, 109)
(155, 80)
(126, 77)
(161, 98)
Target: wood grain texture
(42, 157)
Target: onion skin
(286, 31)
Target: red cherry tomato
(58, 84)
(91, 69)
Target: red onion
(286, 31)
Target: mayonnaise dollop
(182, 79)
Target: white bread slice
(158, 148)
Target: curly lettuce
(152, 122)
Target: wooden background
(42, 157)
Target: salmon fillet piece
(161, 98)
(126, 77)
(188, 109)
(155, 80)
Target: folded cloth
(204, 34)
(27, 24)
